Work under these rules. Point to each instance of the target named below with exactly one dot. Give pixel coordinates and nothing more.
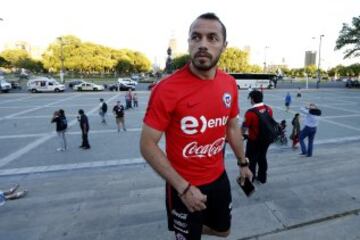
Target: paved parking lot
(27, 137)
(28, 155)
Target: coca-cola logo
(194, 149)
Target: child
(296, 130)
(298, 93)
(283, 139)
(287, 101)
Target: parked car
(44, 84)
(120, 87)
(74, 82)
(352, 83)
(15, 85)
(85, 86)
(136, 77)
(153, 84)
(127, 81)
(4, 85)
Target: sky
(279, 31)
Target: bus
(254, 80)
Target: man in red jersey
(196, 108)
(256, 149)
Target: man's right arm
(157, 159)
(191, 196)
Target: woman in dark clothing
(296, 130)
(61, 125)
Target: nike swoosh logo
(190, 104)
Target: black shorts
(217, 214)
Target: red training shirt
(251, 120)
(194, 114)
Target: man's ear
(225, 45)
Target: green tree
(15, 57)
(3, 62)
(87, 57)
(311, 70)
(180, 61)
(124, 66)
(32, 65)
(234, 60)
(350, 37)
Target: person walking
(119, 113)
(256, 148)
(310, 123)
(84, 126)
(59, 119)
(128, 99)
(198, 194)
(287, 101)
(295, 131)
(298, 94)
(135, 100)
(103, 110)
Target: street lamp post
(318, 70)
(265, 64)
(61, 60)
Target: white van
(4, 85)
(44, 85)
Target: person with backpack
(262, 131)
(102, 110)
(310, 122)
(119, 113)
(61, 125)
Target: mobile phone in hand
(248, 188)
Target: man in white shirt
(310, 126)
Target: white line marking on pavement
(67, 133)
(15, 100)
(38, 142)
(339, 124)
(339, 108)
(35, 135)
(72, 166)
(124, 162)
(341, 116)
(36, 108)
(337, 140)
(24, 150)
(322, 119)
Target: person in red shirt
(256, 149)
(196, 108)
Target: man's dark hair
(212, 16)
(81, 112)
(256, 96)
(62, 112)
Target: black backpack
(104, 107)
(269, 129)
(62, 123)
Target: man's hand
(245, 173)
(194, 200)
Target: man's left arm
(235, 139)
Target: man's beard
(202, 66)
